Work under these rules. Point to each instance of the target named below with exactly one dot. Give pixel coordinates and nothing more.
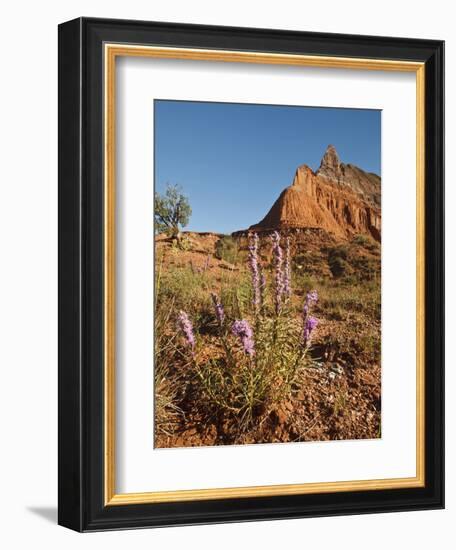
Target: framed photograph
(251, 274)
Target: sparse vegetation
(362, 240)
(351, 263)
(337, 260)
(167, 411)
(367, 242)
(215, 392)
(226, 249)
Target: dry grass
(208, 401)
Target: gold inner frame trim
(111, 52)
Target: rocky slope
(340, 198)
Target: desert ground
(335, 391)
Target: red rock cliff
(340, 198)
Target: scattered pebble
(337, 369)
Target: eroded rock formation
(340, 198)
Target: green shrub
(237, 297)
(367, 242)
(341, 251)
(337, 260)
(338, 265)
(366, 268)
(226, 248)
(362, 240)
(344, 261)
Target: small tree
(171, 211)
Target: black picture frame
(81, 401)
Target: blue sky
(233, 160)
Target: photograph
(267, 291)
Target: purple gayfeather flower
(219, 311)
(311, 299)
(254, 269)
(287, 270)
(262, 287)
(187, 328)
(242, 330)
(278, 274)
(311, 323)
